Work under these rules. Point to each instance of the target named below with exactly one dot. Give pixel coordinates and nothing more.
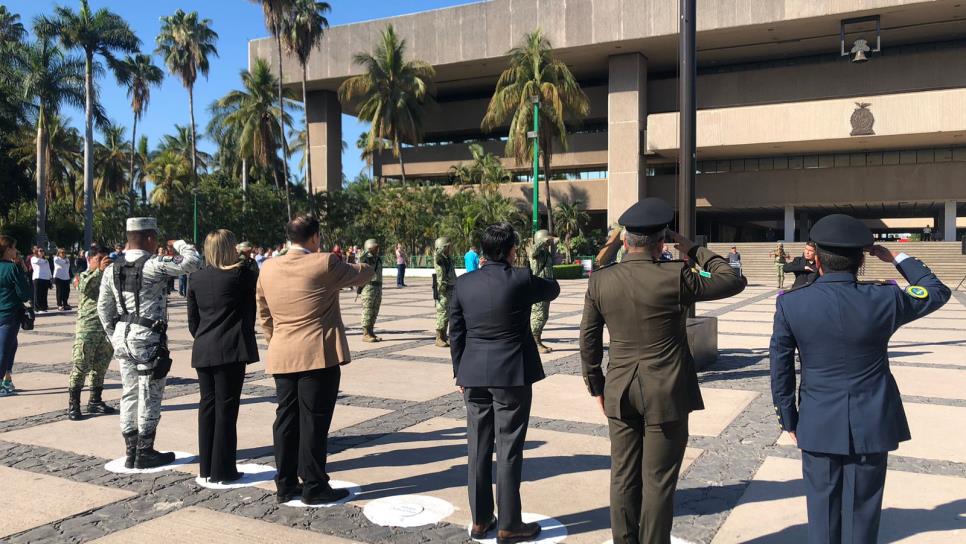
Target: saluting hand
(883, 254)
(681, 243)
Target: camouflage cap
(141, 223)
(243, 246)
(441, 243)
(370, 243)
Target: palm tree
(185, 43)
(535, 72)
(111, 162)
(12, 30)
(142, 156)
(138, 73)
(302, 31)
(251, 117)
(48, 79)
(63, 158)
(392, 94)
(102, 33)
(171, 173)
(181, 143)
(570, 219)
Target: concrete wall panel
(473, 31)
(449, 36)
(499, 39)
(607, 21)
(577, 20)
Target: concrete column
(949, 221)
(324, 113)
(789, 224)
(626, 123)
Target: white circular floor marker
(251, 475)
(180, 458)
(551, 530)
(352, 488)
(408, 511)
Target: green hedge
(568, 271)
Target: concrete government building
(788, 128)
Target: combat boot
(148, 457)
(73, 404)
(540, 345)
(97, 406)
(130, 448)
(441, 339)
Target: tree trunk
(244, 176)
(41, 178)
(88, 144)
(308, 146)
(194, 148)
(134, 133)
(281, 121)
(399, 151)
(547, 152)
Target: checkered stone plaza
(399, 432)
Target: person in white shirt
(62, 279)
(41, 278)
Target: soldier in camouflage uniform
(133, 309)
(445, 282)
(92, 350)
(372, 291)
(541, 264)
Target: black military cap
(840, 233)
(647, 216)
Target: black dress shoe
(289, 495)
(524, 533)
(479, 532)
(228, 480)
(328, 496)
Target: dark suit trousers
(499, 415)
(845, 487)
(217, 415)
(645, 462)
(306, 401)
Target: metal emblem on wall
(862, 120)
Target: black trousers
(845, 487)
(63, 292)
(40, 294)
(499, 415)
(306, 401)
(400, 275)
(217, 417)
(645, 463)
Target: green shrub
(568, 271)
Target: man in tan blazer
(298, 306)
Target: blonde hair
(220, 249)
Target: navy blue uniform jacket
(841, 328)
(489, 326)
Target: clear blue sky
(236, 22)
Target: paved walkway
(399, 431)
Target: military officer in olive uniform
(541, 264)
(371, 292)
(848, 412)
(92, 351)
(133, 309)
(445, 281)
(244, 250)
(651, 384)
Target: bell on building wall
(859, 50)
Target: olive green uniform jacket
(644, 304)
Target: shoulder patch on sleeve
(915, 291)
(704, 274)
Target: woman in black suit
(221, 318)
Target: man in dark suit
(651, 384)
(803, 267)
(849, 413)
(495, 361)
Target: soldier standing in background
(92, 351)
(372, 291)
(541, 264)
(133, 310)
(444, 280)
(245, 256)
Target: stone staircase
(944, 258)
